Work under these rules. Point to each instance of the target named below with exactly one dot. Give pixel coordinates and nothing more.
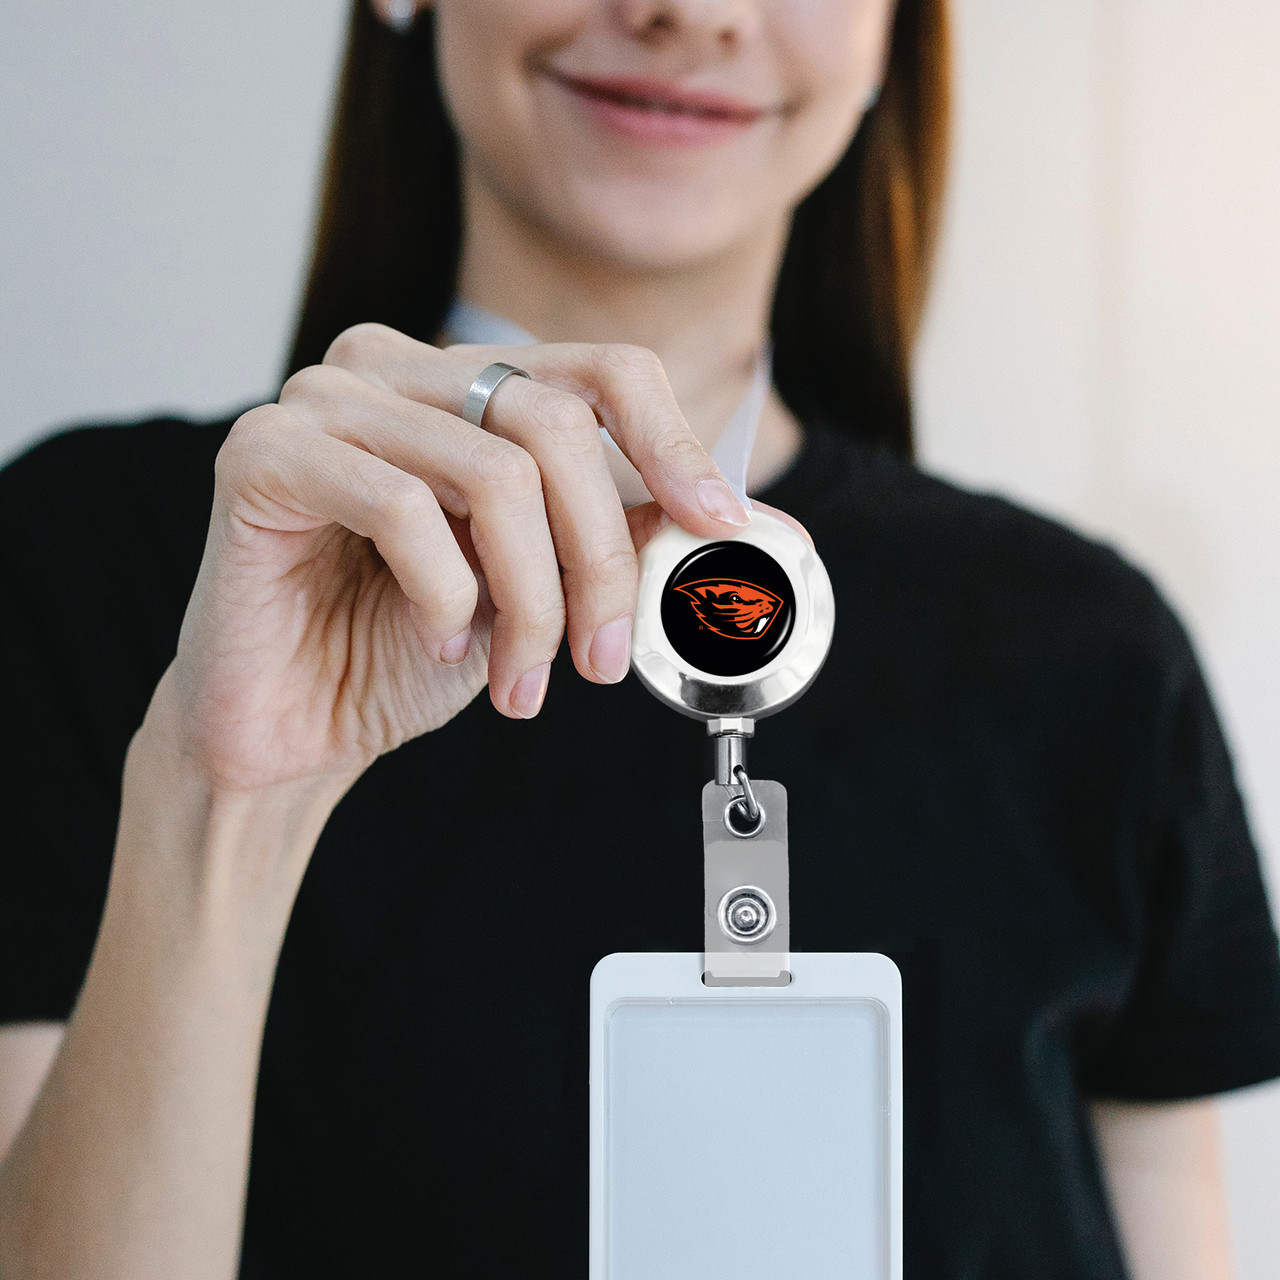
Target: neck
(707, 322)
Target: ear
(399, 15)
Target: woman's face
(644, 188)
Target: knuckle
(455, 601)
(567, 418)
(544, 617)
(357, 342)
(614, 565)
(313, 384)
(251, 438)
(628, 360)
(680, 450)
(499, 464)
(401, 500)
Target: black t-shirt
(1008, 777)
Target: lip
(692, 116)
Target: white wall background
(1104, 344)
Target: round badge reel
(732, 628)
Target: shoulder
(112, 487)
(102, 527)
(99, 463)
(1012, 592)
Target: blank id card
(746, 1133)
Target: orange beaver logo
(731, 607)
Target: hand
(360, 528)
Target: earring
(400, 15)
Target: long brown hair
(853, 279)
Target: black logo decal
(728, 608)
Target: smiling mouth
(651, 104)
(658, 106)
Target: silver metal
(744, 698)
(757, 866)
(484, 386)
(746, 915)
(730, 734)
(731, 755)
(753, 809)
(744, 726)
(753, 826)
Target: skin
(359, 526)
(1162, 1164)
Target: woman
(1008, 777)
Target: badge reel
(746, 1110)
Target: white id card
(746, 1132)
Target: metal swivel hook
(748, 796)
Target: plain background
(1104, 342)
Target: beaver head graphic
(731, 607)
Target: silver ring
(757, 823)
(483, 387)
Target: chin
(650, 233)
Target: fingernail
(531, 688)
(611, 650)
(717, 500)
(453, 651)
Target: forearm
(133, 1161)
(1162, 1164)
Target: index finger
(627, 389)
(625, 386)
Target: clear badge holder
(746, 1099)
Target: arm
(343, 606)
(140, 1134)
(1162, 1166)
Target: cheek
(834, 51)
(483, 48)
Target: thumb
(782, 515)
(648, 518)
(644, 520)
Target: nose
(724, 25)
